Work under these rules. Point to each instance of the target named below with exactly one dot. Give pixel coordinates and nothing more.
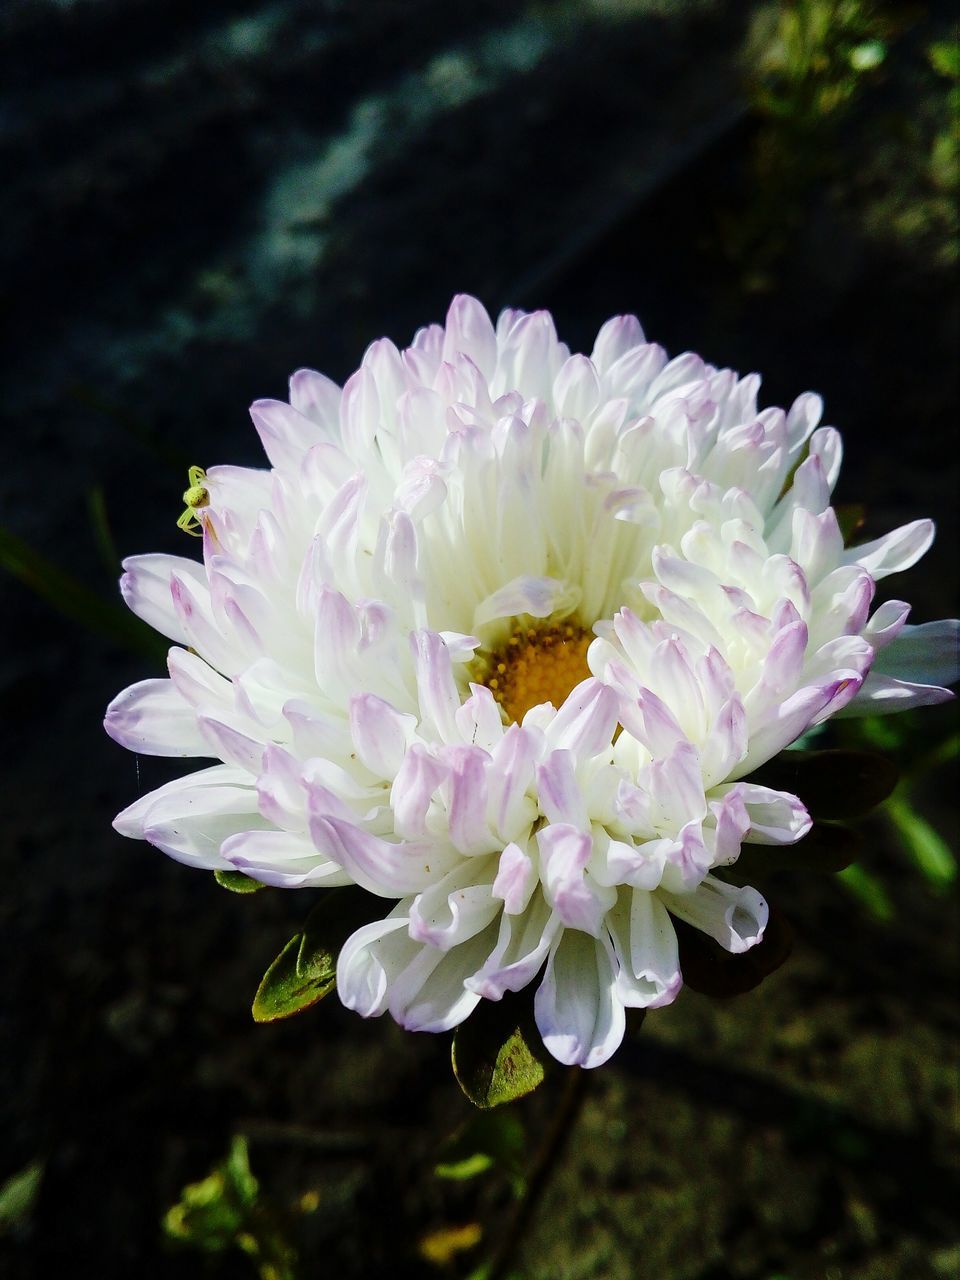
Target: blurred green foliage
(927, 750)
(76, 601)
(490, 1140)
(17, 1198)
(856, 111)
(225, 1211)
(807, 58)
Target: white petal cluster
(334, 650)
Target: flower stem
(545, 1161)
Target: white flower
(497, 638)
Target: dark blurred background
(198, 199)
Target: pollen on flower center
(538, 664)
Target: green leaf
(212, 1212)
(932, 855)
(709, 969)
(237, 1170)
(18, 1196)
(462, 1170)
(868, 56)
(832, 784)
(497, 1055)
(102, 533)
(488, 1138)
(296, 980)
(306, 969)
(237, 882)
(865, 886)
(75, 601)
(827, 848)
(945, 58)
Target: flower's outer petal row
(153, 719)
(912, 670)
(334, 640)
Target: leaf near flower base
(832, 784)
(306, 969)
(497, 1054)
(828, 847)
(709, 969)
(237, 882)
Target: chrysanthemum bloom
(497, 637)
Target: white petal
(383, 867)
(381, 734)
(455, 908)
(516, 880)
(146, 587)
(467, 813)
(538, 597)
(776, 817)
(927, 654)
(645, 944)
(615, 339)
(586, 721)
(736, 917)
(359, 414)
(439, 699)
(578, 900)
(576, 389)
(470, 330)
(283, 859)
(286, 435)
(577, 1009)
(522, 946)
(558, 791)
(152, 718)
(192, 823)
(894, 551)
(317, 398)
(370, 959)
(431, 994)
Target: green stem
(571, 1102)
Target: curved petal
(895, 551)
(284, 859)
(645, 945)
(371, 959)
(736, 917)
(577, 1008)
(146, 587)
(152, 718)
(927, 654)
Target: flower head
(499, 637)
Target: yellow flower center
(538, 664)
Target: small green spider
(195, 496)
